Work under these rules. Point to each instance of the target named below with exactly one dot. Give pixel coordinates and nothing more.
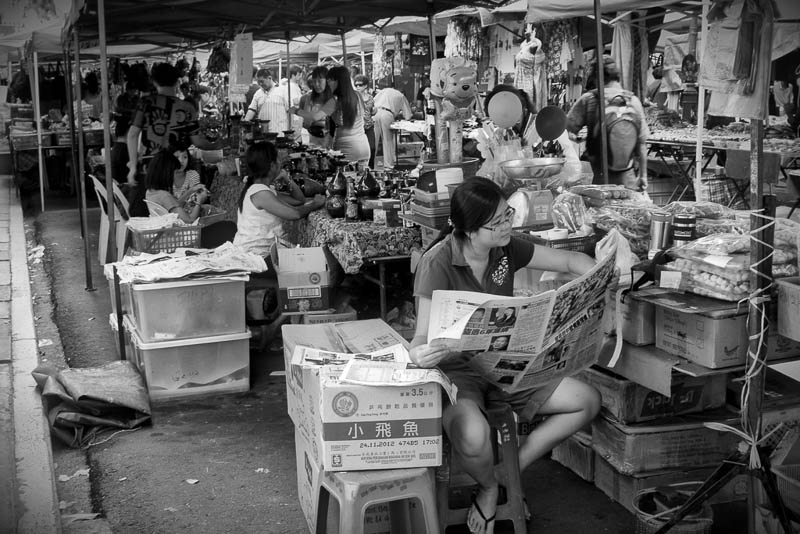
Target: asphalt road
(239, 448)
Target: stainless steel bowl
(527, 168)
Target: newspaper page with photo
(524, 342)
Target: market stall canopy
(162, 21)
(543, 10)
(511, 11)
(315, 47)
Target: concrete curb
(37, 499)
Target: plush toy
(459, 90)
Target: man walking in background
(389, 103)
(268, 103)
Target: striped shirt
(271, 106)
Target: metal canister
(660, 231)
(684, 229)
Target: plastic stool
(358, 490)
(449, 483)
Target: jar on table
(684, 229)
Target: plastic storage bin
(789, 307)
(194, 308)
(124, 292)
(166, 239)
(193, 367)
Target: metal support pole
(344, 50)
(78, 135)
(289, 116)
(601, 101)
(112, 220)
(37, 117)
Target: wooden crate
(576, 454)
(628, 402)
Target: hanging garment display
(622, 51)
(464, 38)
(732, 95)
(526, 60)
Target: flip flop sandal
(486, 520)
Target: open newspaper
(527, 341)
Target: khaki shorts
(473, 385)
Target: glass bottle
(338, 185)
(351, 201)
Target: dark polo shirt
(444, 267)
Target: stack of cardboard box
(348, 427)
(655, 435)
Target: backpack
(622, 130)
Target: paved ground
(238, 447)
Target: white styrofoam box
(186, 309)
(124, 291)
(194, 367)
(789, 307)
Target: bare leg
(571, 406)
(470, 437)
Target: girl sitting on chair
(159, 181)
(262, 209)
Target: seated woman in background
(315, 107)
(349, 137)
(477, 252)
(186, 181)
(261, 209)
(160, 179)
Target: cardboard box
(349, 314)
(679, 442)
(779, 389)
(623, 488)
(789, 307)
(385, 211)
(576, 454)
(638, 319)
(360, 427)
(358, 336)
(303, 279)
(376, 517)
(712, 342)
(628, 402)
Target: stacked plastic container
(188, 338)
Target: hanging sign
(241, 67)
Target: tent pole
(78, 135)
(431, 36)
(601, 102)
(37, 117)
(701, 102)
(288, 85)
(363, 63)
(344, 50)
(112, 222)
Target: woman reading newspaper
(476, 252)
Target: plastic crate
(62, 138)
(788, 478)
(186, 309)
(193, 367)
(166, 239)
(24, 142)
(583, 244)
(93, 137)
(431, 200)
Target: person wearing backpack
(626, 129)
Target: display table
(351, 243)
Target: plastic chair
(452, 484)
(355, 491)
(120, 217)
(156, 210)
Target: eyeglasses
(360, 85)
(505, 221)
